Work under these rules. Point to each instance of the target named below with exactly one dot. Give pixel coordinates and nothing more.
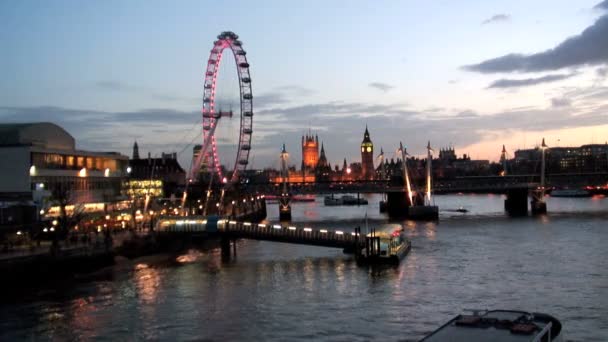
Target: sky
(473, 74)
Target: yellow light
(32, 170)
(323, 231)
(55, 222)
(107, 217)
(106, 173)
(82, 172)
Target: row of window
(74, 162)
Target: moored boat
(498, 325)
(384, 248)
(331, 200)
(352, 200)
(303, 198)
(570, 193)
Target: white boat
(570, 193)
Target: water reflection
(279, 292)
(148, 281)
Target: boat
(344, 200)
(384, 248)
(272, 198)
(303, 198)
(458, 210)
(498, 325)
(570, 193)
(331, 200)
(352, 200)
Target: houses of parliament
(316, 168)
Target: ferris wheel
(212, 118)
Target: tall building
(135, 150)
(310, 152)
(367, 156)
(323, 169)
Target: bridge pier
(516, 203)
(397, 204)
(225, 243)
(538, 206)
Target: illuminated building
(40, 163)
(585, 158)
(310, 152)
(156, 177)
(367, 157)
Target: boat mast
(408, 187)
(543, 147)
(429, 158)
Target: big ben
(367, 156)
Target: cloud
(588, 48)
(511, 83)
(560, 102)
(497, 18)
(339, 124)
(602, 5)
(384, 87)
(114, 86)
(602, 72)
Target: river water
(271, 291)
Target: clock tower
(367, 156)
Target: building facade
(40, 163)
(157, 177)
(310, 152)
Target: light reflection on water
(272, 291)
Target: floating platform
(423, 212)
(498, 325)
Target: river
(271, 291)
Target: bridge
(230, 230)
(478, 184)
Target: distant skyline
(472, 75)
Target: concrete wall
(15, 169)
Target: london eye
(209, 157)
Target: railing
(261, 231)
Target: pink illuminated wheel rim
(227, 40)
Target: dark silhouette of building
(367, 157)
(135, 151)
(323, 169)
(586, 158)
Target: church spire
(135, 151)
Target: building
(585, 158)
(367, 157)
(310, 152)
(323, 168)
(40, 163)
(157, 177)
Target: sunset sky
(474, 74)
